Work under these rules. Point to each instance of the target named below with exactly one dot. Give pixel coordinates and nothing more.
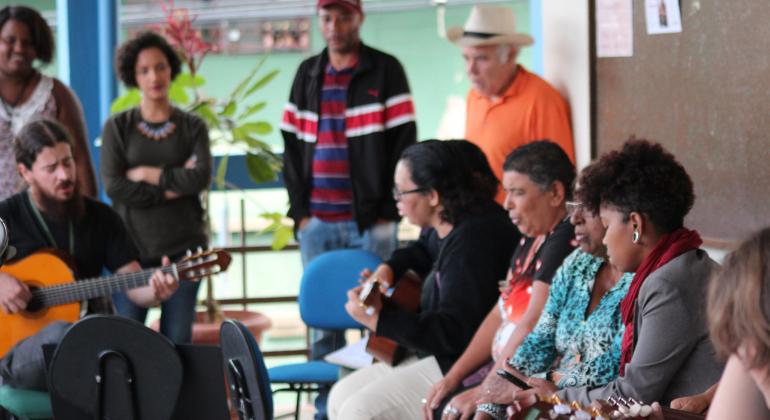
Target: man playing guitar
(52, 213)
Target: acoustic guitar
(405, 296)
(552, 408)
(56, 296)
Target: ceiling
(142, 13)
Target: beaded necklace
(156, 133)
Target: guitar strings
(100, 286)
(90, 288)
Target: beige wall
(566, 64)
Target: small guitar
(406, 296)
(552, 408)
(56, 296)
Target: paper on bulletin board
(614, 28)
(663, 16)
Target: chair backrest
(247, 377)
(324, 286)
(139, 369)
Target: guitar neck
(95, 287)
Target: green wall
(434, 67)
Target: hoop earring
(635, 237)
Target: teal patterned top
(584, 351)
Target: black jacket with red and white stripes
(380, 124)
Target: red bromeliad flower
(180, 33)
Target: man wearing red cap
(349, 116)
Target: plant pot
(206, 332)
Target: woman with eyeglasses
(642, 195)
(537, 179)
(448, 189)
(577, 339)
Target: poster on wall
(614, 28)
(663, 16)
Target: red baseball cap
(352, 5)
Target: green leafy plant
(233, 125)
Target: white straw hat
(488, 25)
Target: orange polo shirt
(529, 110)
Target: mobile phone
(512, 379)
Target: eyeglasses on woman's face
(398, 194)
(574, 207)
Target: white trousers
(383, 392)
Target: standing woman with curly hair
(155, 164)
(447, 188)
(642, 195)
(27, 94)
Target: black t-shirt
(542, 266)
(100, 238)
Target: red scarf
(669, 247)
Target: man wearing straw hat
(507, 106)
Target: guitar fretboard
(95, 287)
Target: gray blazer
(673, 355)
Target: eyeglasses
(574, 207)
(397, 195)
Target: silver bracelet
(496, 411)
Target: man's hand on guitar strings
(14, 294)
(163, 285)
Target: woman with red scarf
(643, 195)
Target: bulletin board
(704, 94)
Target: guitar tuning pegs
(562, 409)
(188, 253)
(200, 250)
(634, 409)
(581, 415)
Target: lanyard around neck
(47, 231)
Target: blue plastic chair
(249, 383)
(322, 298)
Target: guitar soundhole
(34, 304)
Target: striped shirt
(332, 196)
